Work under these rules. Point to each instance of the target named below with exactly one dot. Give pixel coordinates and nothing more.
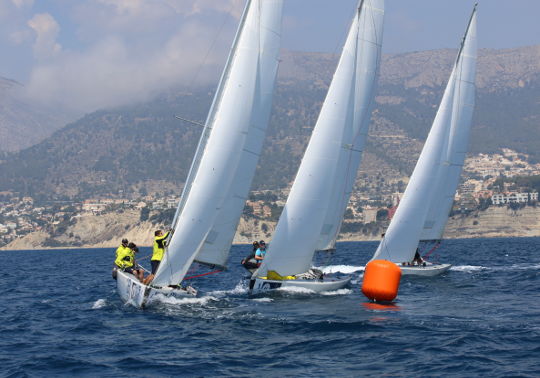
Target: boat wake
(476, 268)
(183, 301)
(264, 300)
(337, 292)
(295, 290)
(100, 303)
(468, 268)
(345, 269)
(239, 289)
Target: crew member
(157, 253)
(261, 253)
(417, 258)
(247, 262)
(125, 260)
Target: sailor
(157, 253)
(120, 251)
(123, 246)
(125, 260)
(248, 261)
(260, 253)
(418, 259)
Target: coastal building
(513, 197)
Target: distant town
(505, 179)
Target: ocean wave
(265, 299)
(337, 292)
(100, 303)
(346, 269)
(239, 289)
(296, 290)
(182, 301)
(468, 268)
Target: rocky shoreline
(106, 231)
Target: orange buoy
(381, 280)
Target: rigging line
(437, 245)
(203, 274)
(212, 45)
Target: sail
(369, 45)
(215, 250)
(218, 157)
(333, 137)
(451, 166)
(403, 234)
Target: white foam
(468, 268)
(337, 292)
(182, 301)
(262, 300)
(346, 269)
(240, 288)
(296, 289)
(99, 304)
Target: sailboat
(222, 170)
(423, 211)
(316, 204)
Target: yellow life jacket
(159, 247)
(125, 257)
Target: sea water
(60, 315)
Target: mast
(215, 168)
(313, 193)
(401, 239)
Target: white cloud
(129, 50)
(110, 73)
(46, 29)
(23, 3)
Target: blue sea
(60, 316)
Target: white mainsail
(458, 138)
(321, 182)
(232, 133)
(215, 250)
(437, 165)
(367, 69)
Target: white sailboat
(423, 211)
(224, 164)
(312, 215)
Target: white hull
(133, 292)
(262, 285)
(429, 270)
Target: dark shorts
(131, 270)
(155, 265)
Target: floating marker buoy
(381, 280)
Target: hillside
(143, 148)
(101, 231)
(22, 123)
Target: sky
(82, 55)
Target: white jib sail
(402, 236)
(368, 62)
(450, 170)
(215, 250)
(229, 122)
(300, 224)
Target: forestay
(446, 143)
(331, 152)
(244, 90)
